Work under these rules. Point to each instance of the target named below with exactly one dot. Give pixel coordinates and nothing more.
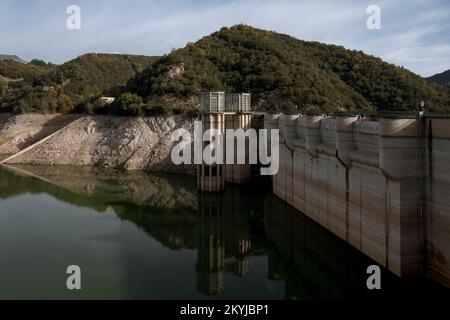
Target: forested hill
(93, 73)
(12, 69)
(282, 71)
(61, 88)
(442, 78)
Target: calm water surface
(140, 235)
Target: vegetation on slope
(70, 86)
(93, 74)
(282, 71)
(28, 71)
(442, 78)
(384, 85)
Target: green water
(153, 236)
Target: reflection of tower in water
(238, 244)
(224, 239)
(211, 249)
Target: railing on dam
(381, 183)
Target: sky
(414, 34)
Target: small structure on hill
(106, 101)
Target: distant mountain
(4, 57)
(282, 71)
(442, 78)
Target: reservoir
(137, 235)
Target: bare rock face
(176, 71)
(113, 142)
(20, 131)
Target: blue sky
(414, 34)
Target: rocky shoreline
(128, 143)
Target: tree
(38, 62)
(64, 104)
(128, 104)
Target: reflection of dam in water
(224, 239)
(243, 237)
(239, 225)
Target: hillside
(106, 141)
(282, 71)
(66, 87)
(95, 73)
(9, 57)
(442, 78)
(28, 71)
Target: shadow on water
(242, 243)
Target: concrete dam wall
(382, 186)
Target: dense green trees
(283, 72)
(127, 104)
(130, 104)
(74, 86)
(442, 78)
(95, 74)
(280, 71)
(16, 70)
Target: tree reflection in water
(228, 230)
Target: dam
(381, 183)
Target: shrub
(128, 104)
(64, 104)
(190, 113)
(134, 110)
(157, 110)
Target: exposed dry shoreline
(106, 141)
